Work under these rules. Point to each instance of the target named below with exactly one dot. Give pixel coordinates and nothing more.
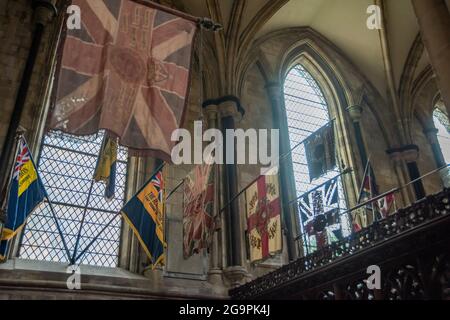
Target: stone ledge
(21, 279)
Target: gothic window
(307, 111)
(66, 166)
(442, 123)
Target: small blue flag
(145, 215)
(25, 194)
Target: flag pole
(364, 178)
(346, 171)
(58, 227)
(83, 252)
(80, 255)
(77, 243)
(280, 158)
(52, 209)
(394, 190)
(175, 189)
(3, 207)
(207, 23)
(4, 196)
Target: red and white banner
(264, 218)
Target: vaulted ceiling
(343, 22)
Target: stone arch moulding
(424, 98)
(276, 53)
(336, 94)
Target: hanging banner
(198, 210)
(264, 218)
(126, 71)
(320, 152)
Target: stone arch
(344, 85)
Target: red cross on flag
(126, 71)
(264, 218)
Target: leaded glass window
(442, 123)
(307, 111)
(66, 166)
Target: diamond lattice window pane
(442, 123)
(66, 166)
(307, 111)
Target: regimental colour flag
(264, 218)
(320, 152)
(319, 212)
(25, 194)
(106, 168)
(127, 71)
(145, 214)
(386, 204)
(365, 216)
(198, 210)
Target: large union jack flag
(319, 211)
(126, 71)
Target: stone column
(143, 266)
(434, 21)
(44, 12)
(229, 114)
(287, 183)
(409, 155)
(355, 113)
(431, 135)
(129, 245)
(215, 263)
(230, 111)
(402, 175)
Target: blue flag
(145, 215)
(25, 194)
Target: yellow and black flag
(145, 215)
(26, 192)
(107, 166)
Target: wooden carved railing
(411, 247)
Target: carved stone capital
(274, 90)
(228, 106)
(355, 113)
(212, 112)
(409, 153)
(44, 11)
(236, 276)
(215, 276)
(431, 135)
(229, 109)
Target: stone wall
(15, 36)
(16, 30)
(378, 126)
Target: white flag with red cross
(264, 218)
